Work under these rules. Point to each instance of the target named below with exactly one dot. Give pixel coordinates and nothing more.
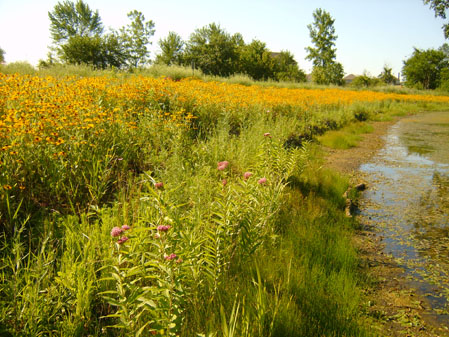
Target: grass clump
(346, 137)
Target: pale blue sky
(371, 33)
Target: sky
(371, 33)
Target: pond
(407, 203)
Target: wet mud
(407, 206)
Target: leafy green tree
(331, 74)
(256, 61)
(82, 50)
(387, 76)
(286, 68)
(440, 7)
(135, 38)
(444, 85)
(322, 32)
(423, 68)
(78, 38)
(77, 35)
(445, 49)
(2, 55)
(172, 49)
(70, 19)
(213, 50)
(97, 51)
(366, 80)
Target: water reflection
(408, 203)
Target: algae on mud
(408, 204)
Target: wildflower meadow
(140, 206)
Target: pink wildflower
(125, 227)
(267, 134)
(224, 182)
(122, 240)
(170, 257)
(116, 231)
(163, 228)
(159, 185)
(262, 181)
(222, 165)
(246, 175)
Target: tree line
(79, 38)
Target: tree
(444, 79)
(423, 68)
(97, 51)
(256, 61)
(135, 38)
(440, 7)
(322, 32)
(78, 38)
(213, 50)
(366, 80)
(445, 49)
(76, 32)
(69, 19)
(172, 48)
(286, 68)
(331, 74)
(386, 76)
(2, 55)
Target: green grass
(346, 137)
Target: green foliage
(365, 81)
(444, 79)
(440, 7)
(172, 50)
(331, 74)
(99, 52)
(77, 33)
(17, 68)
(322, 32)
(135, 37)
(256, 60)
(423, 68)
(345, 138)
(286, 68)
(387, 77)
(213, 50)
(2, 55)
(70, 19)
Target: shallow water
(407, 203)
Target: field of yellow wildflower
(144, 206)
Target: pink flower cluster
(246, 175)
(163, 228)
(170, 257)
(173, 256)
(117, 231)
(159, 185)
(222, 165)
(262, 181)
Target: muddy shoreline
(391, 305)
